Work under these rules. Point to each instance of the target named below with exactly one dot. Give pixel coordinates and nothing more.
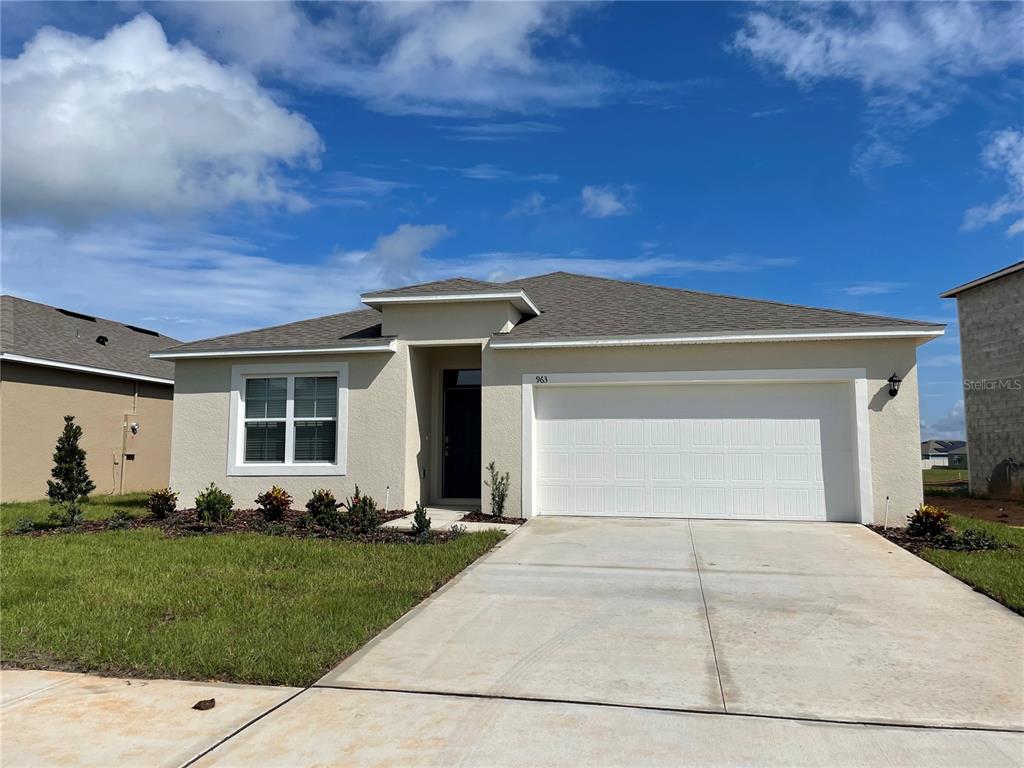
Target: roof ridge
(844, 312)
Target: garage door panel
(757, 451)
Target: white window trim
(238, 467)
(856, 378)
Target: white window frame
(236, 464)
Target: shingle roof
(63, 336)
(440, 287)
(573, 306)
(351, 329)
(582, 306)
(997, 275)
(943, 446)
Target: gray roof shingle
(582, 306)
(573, 306)
(59, 335)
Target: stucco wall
(992, 352)
(894, 422)
(378, 386)
(467, 320)
(33, 403)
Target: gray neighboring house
(991, 312)
(598, 396)
(57, 361)
(944, 453)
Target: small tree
(498, 484)
(420, 522)
(71, 484)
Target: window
(288, 419)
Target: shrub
(214, 506)
(120, 520)
(274, 503)
(361, 514)
(970, 541)
(24, 525)
(420, 521)
(323, 508)
(162, 504)
(71, 484)
(457, 531)
(928, 522)
(499, 490)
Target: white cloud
(911, 60)
(880, 46)
(872, 288)
(350, 189)
(397, 258)
(531, 205)
(1004, 154)
(492, 132)
(951, 426)
(424, 58)
(130, 123)
(603, 202)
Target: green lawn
(997, 573)
(243, 607)
(943, 475)
(97, 508)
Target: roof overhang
(518, 299)
(387, 346)
(925, 332)
(982, 280)
(26, 360)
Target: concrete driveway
(643, 642)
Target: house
(944, 453)
(991, 314)
(55, 362)
(598, 396)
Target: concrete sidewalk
(60, 719)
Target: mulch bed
(480, 517)
(293, 524)
(915, 544)
(1009, 511)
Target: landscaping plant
(213, 506)
(928, 522)
(420, 521)
(323, 508)
(274, 503)
(499, 490)
(71, 484)
(361, 514)
(162, 504)
(120, 520)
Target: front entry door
(460, 444)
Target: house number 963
(542, 379)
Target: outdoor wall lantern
(894, 385)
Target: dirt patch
(1007, 511)
(480, 517)
(293, 524)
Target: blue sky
(203, 168)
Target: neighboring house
(991, 312)
(944, 453)
(600, 397)
(55, 362)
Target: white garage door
(747, 451)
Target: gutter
(8, 357)
(389, 346)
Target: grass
(241, 607)
(943, 475)
(996, 573)
(97, 508)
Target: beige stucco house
(599, 397)
(55, 362)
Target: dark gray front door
(460, 467)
